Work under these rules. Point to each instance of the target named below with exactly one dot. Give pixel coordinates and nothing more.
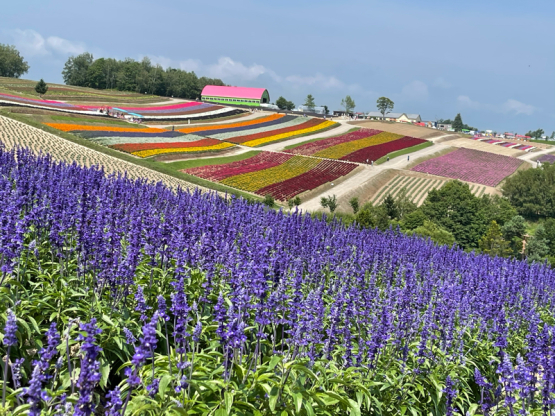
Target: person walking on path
(372, 162)
(408, 158)
(388, 158)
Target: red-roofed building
(236, 95)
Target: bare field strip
(404, 129)
(419, 186)
(485, 147)
(14, 133)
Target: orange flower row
(72, 127)
(231, 125)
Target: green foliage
(365, 217)
(449, 121)
(41, 87)
(537, 248)
(283, 104)
(403, 204)
(130, 75)
(549, 228)
(12, 64)
(383, 220)
(496, 208)
(458, 123)
(493, 243)
(515, 227)
(269, 201)
(532, 191)
(435, 232)
(329, 202)
(327, 110)
(384, 105)
(294, 202)
(536, 134)
(348, 104)
(413, 220)
(355, 205)
(309, 102)
(390, 207)
(297, 201)
(454, 208)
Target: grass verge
(550, 142)
(194, 163)
(156, 166)
(403, 152)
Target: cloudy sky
(491, 60)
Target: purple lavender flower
(450, 396)
(34, 393)
(114, 404)
(197, 331)
(90, 368)
(16, 372)
(141, 307)
(10, 329)
(129, 336)
(508, 380)
(162, 308)
(152, 388)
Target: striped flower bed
(280, 175)
(471, 166)
(322, 125)
(380, 150)
(313, 147)
(268, 133)
(186, 148)
(81, 128)
(223, 126)
(271, 124)
(547, 159)
(344, 149)
(255, 129)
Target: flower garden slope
(365, 320)
(14, 134)
(277, 174)
(471, 166)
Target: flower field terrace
(120, 296)
(277, 174)
(144, 142)
(547, 159)
(471, 166)
(358, 146)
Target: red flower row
(379, 150)
(242, 139)
(314, 147)
(325, 171)
(263, 160)
(137, 147)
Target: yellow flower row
(343, 149)
(153, 152)
(258, 142)
(254, 181)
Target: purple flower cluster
(312, 290)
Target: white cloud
(511, 106)
(190, 65)
(32, 43)
(320, 80)
(441, 83)
(416, 91)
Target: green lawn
(551, 142)
(315, 140)
(403, 152)
(194, 163)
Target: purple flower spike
(141, 307)
(114, 404)
(10, 329)
(90, 368)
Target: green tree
(413, 220)
(269, 201)
(493, 243)
(403, 204)
(496, 208)
(353, 202)
(515, 227)
(383, 220)
(326, 110)
(365, 218)
(454, 208)
(76, 69)
(41, 87)
(385, 105)
(549, 227)
(297, 201)
(309, 102)
(458, 123)
(434, 232)
(281, 103)
(12, 64)
(536, 134)
(532, 191)
(537, 248)
(390, 207)
(348, 104)
(329, 202)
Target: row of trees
(130, 75)
(493, 225)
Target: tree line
(135, 76)
(519, 224)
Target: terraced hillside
(14, 133)
(418, 187)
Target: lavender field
(120, 297)
(471, 166)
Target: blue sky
(493, 61)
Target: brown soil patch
(404, 129)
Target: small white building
(317, 109)
(398, 117)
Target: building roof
(412, 116)
(387, 115)
(233, 92)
